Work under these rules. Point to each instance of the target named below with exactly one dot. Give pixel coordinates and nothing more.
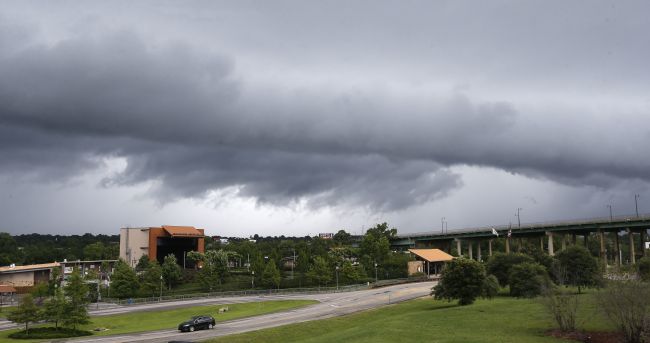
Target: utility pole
(518, 217)
(293, 263)
(442, 225)
(636, 204)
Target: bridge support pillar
(603, 252)
(642, 241)
(469, 250)
(459, 249)
(586, 241)
(575, 240)
(630, 234)
(550, 243)
(490, 247)
(507, 245)
(564, 241)
(541, 243)
(478, 247)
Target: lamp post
(161, 282)
(636, 204)
(610, 213)
(337, 277)
(376, 272)
(442, 225)
(253, 279)
(99, 295)
(518, 217)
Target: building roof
(7, 289)
(30, 267)
(432, 255)
(182, 231)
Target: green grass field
(169, 319)
(501, 319)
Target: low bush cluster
(49, 333)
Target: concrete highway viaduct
(550, 234)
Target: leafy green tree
(500, 265)
(342, 238)
(124, 281)
(215, 269)
(94, 251)
(462, 279)
(151, 279)
(40, 290)
(143, 263)
(579, 267)
(55, 308)
(320, 271)
(76, 291)
(350, 273)
(9, 252)
(26, 312)
(376, 244)
(171, 271)
(271, 276)
(195, 257)
(528, 280)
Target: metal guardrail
(557, 223)
(282, 291)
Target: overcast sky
(300, 117)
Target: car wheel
(210, 326)
(191, 329)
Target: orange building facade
(158, 242)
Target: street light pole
(636, 204)
(442, 225)
(253, 279)
(337, 278)
(376, 279)
(610, 213)
(161, 281)
(518, 217)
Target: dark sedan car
(197, 323)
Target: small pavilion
(428, 261)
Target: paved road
(330, 305)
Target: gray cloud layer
(195, 120)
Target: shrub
(500, 265)
(49, 333)
(627, 304)
(490, 287)
(563, 306)
(528, 280)
(578, 267)
(643, 268)
(462, 279)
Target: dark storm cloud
(187, 117)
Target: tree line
(37, 248)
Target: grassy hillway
(169, 319)
(502, 319)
